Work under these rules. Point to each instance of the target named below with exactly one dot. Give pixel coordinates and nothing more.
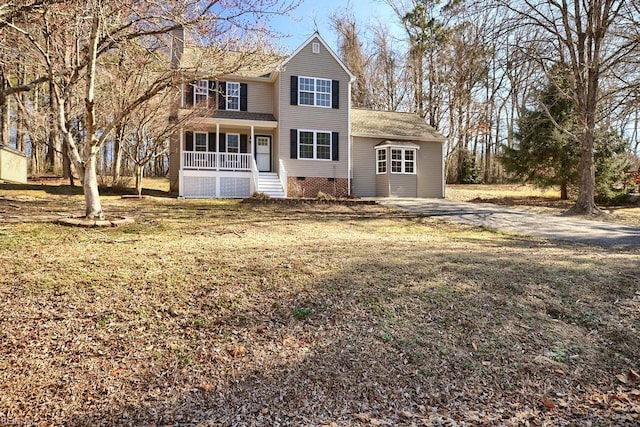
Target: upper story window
(233, 96)
(201, 92)
(314, 91)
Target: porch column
(252, 141)
(216, 153)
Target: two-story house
(286, 128)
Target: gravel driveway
(571, 229)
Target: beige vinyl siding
(382, 185)
(260, 97)
(430, 173)
(364, 167)
(320, 65)
(402, 185)
(13, 165)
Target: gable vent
(315, 47)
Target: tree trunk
(117, 154)
(90, 186)
(5, 116)
(586, 189)
(139, 172)
(564, 192)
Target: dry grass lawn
(221, 313)
(534, 199)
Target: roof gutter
(400, 137)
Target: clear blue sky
(300, 25)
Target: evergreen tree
(547, 152)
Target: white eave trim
(324, 44)
(235, 122)
(399, 137)
(397, 144)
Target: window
(200, 142)
(315, 47)
(403, 160)
(201, 91)
(233, 143)
(313, 91)
(381, 161)
(233, 96)
(314, 145)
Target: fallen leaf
(548, 403)
(237, 350)
(622, 378)
(116, 371)
(475, 347)
(406, 414)
(634, 374)
(206, 387)
(362, 417)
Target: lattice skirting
(212, 186)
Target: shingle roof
(209, 61)
(243, 115)
(390, 125)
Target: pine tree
(547, 152)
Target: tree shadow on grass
(448, 329)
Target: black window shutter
(188, 141)
(223, 143)
(212, 94)
(243, 143)
(335, 94)
(294, 90)
(188, 95)
(294, 143)
(335, 146)
(243, 96)
(222, 100)
(212, 142)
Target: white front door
(263, 153)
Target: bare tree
(351, 51)
(596, 39)
(71, 41)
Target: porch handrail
(255, 175)
(283, 177)
(216, 161)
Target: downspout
(349, 137)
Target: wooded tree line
(85, 85)
(477, 69)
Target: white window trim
(315, 145)
(315, 92)
(197, 91)
(403, 160)
(385, 161)
(226, 143)
(229, 97)
(206, 142)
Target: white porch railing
(216, 161)
(255, 176)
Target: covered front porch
(226, 157)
